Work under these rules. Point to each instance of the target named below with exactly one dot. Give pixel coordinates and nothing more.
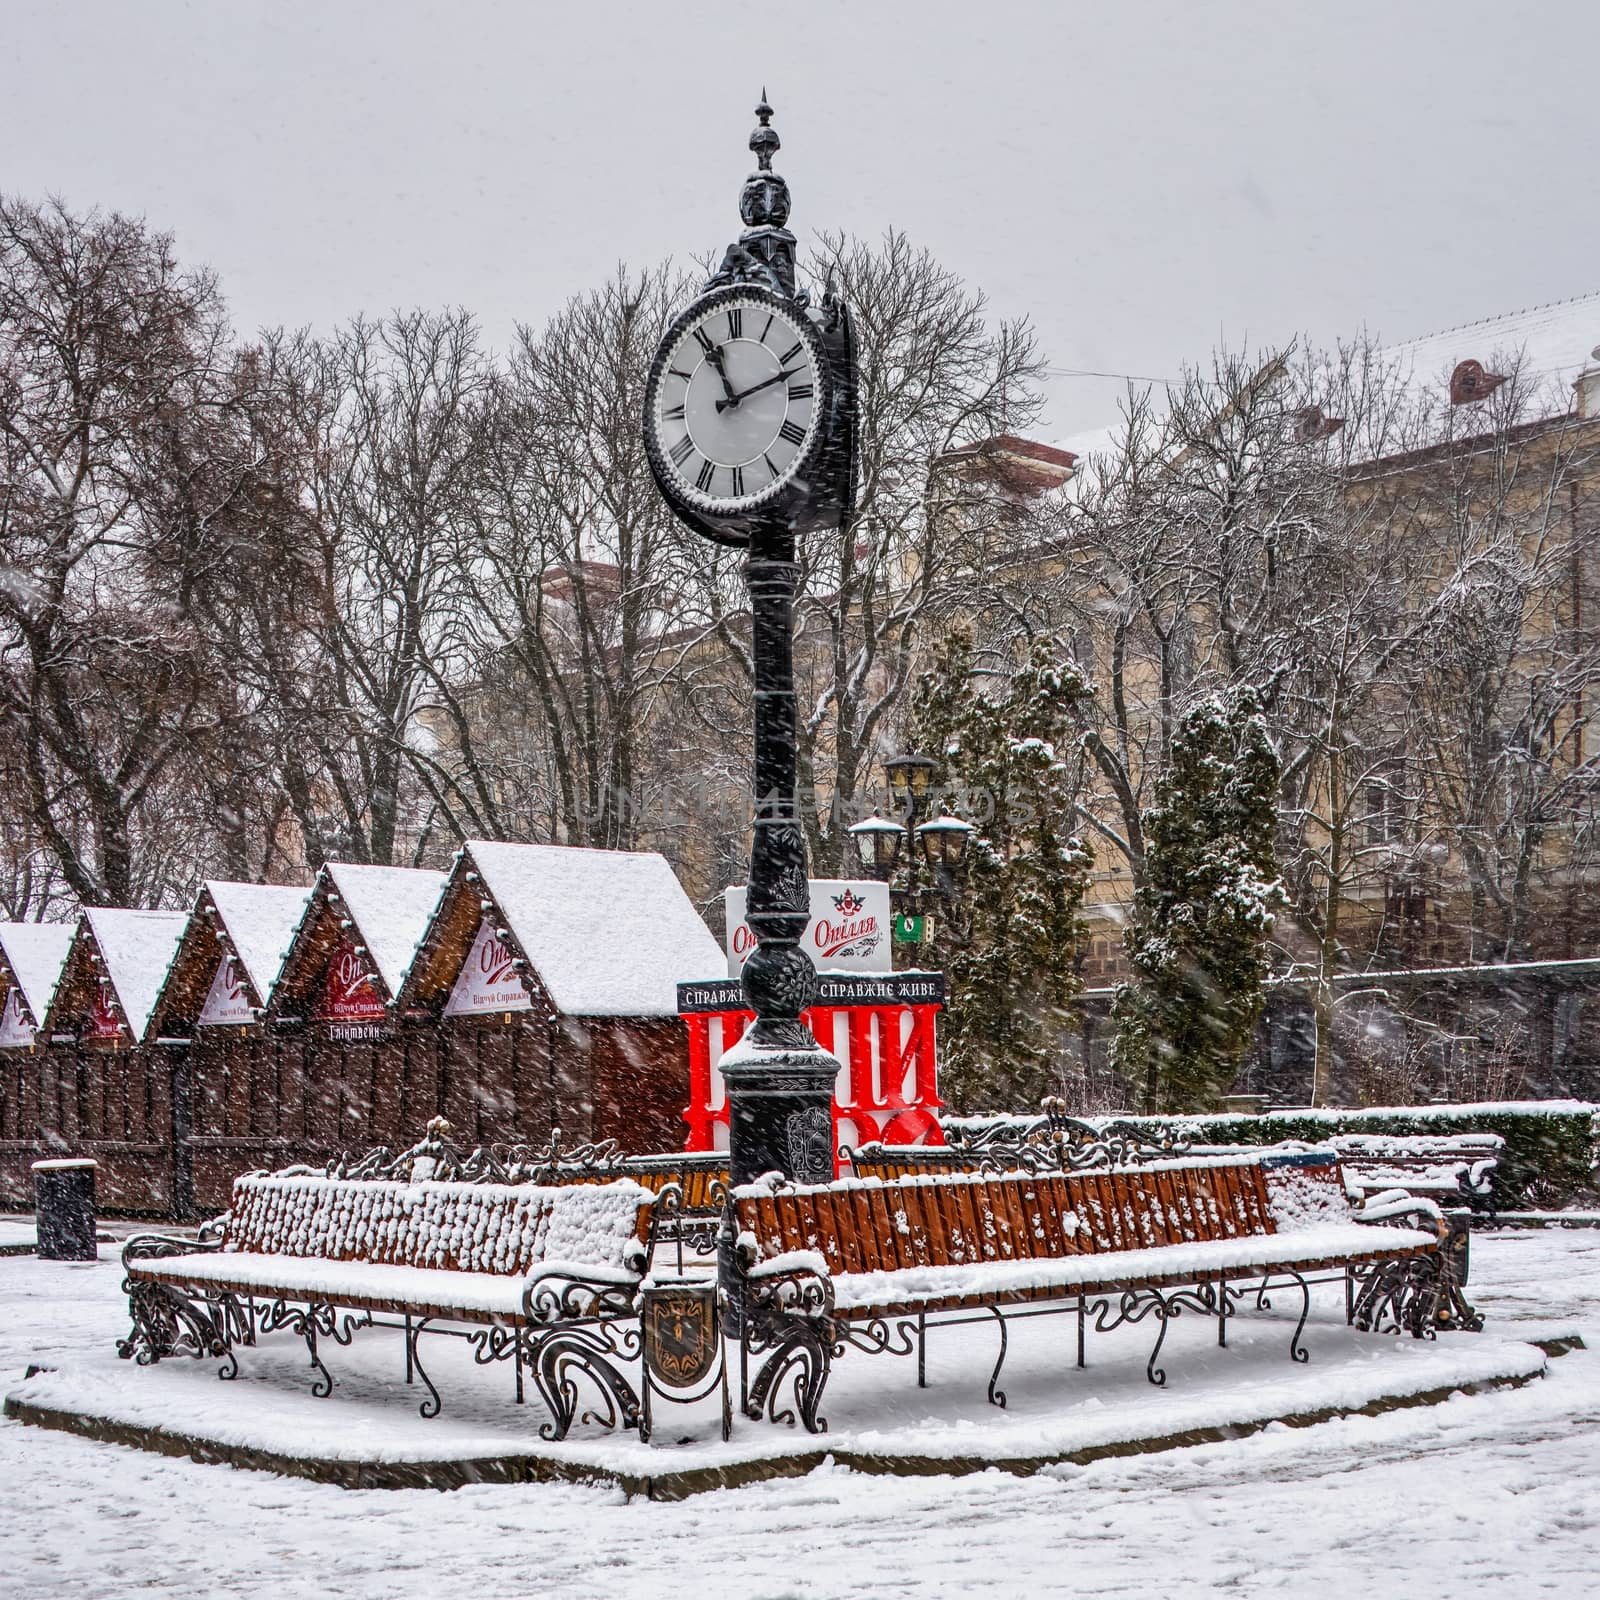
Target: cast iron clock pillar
(744, 462)
(780, 1081)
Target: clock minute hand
(744, 394)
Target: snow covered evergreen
(1197, 940)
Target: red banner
(103, 1021)
(348, 992)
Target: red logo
(848, 903)
(348, 994)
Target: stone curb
(681, 1484)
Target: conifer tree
(1197, 939)
(1007, 939)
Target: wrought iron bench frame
(571, 1324)
(788, 1313)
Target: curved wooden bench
(867, 1262)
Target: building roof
(607, 932)
(259, 920)
(391, 908)
(36, 955)
(1552, 343)
(137, 948)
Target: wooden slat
(964, 1222)
(867, 1241)
(1053, 1204)
(888, 1235)
(1171, 1211)
(768, 1229)
(995, 1221)
(842, 1221)
(791, 1226)
(1023, 1199)
(1260, 1201)
(935, 1220)
(1233, 1207)
(915, 1249)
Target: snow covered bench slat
(827, 1265)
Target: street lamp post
(938, 845)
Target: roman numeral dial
(736, 399)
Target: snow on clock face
(734, 402)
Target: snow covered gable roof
(132, 951)
(258, 920)
(34, 955)
(250, 924)
(603, 933)
(391, 908)
(380, 913)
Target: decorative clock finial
(764, 141)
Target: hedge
(1549, 1154)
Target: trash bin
(63, 1205)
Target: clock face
(734, 411)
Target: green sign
(911, 930)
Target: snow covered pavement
(1490, 1494)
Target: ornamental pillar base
(780, 1111)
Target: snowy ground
(14, 1235)
(1488, 1493)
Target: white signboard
(487, 982)
(14, 1029)
(848, 931)
(227, 1003)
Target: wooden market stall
(551, 974)
(103, 1091)
(32, 958)
(234, 1097)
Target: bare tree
(129, 479)
(572, 582)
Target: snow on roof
(1552, 343)
(392, 907)
(1093, 442)
(260, 920)
(609, 932)
(36, 952)
(138, 947)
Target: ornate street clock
(750, 406)
(749, 425)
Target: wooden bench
(545, 1275)
(867, 1262)
(1453, 1169)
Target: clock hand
(744, 394)
(714, 356)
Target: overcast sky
(1138, 179)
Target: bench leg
(802, 1354)
(1297, 1351)
(1157, 1375)
(1222, 1313)
(922, 1349)
(166, 1322)
(997, 1396)
(432, 1406)
(1083, 1318)
(323, 1387)
(573, 1350)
